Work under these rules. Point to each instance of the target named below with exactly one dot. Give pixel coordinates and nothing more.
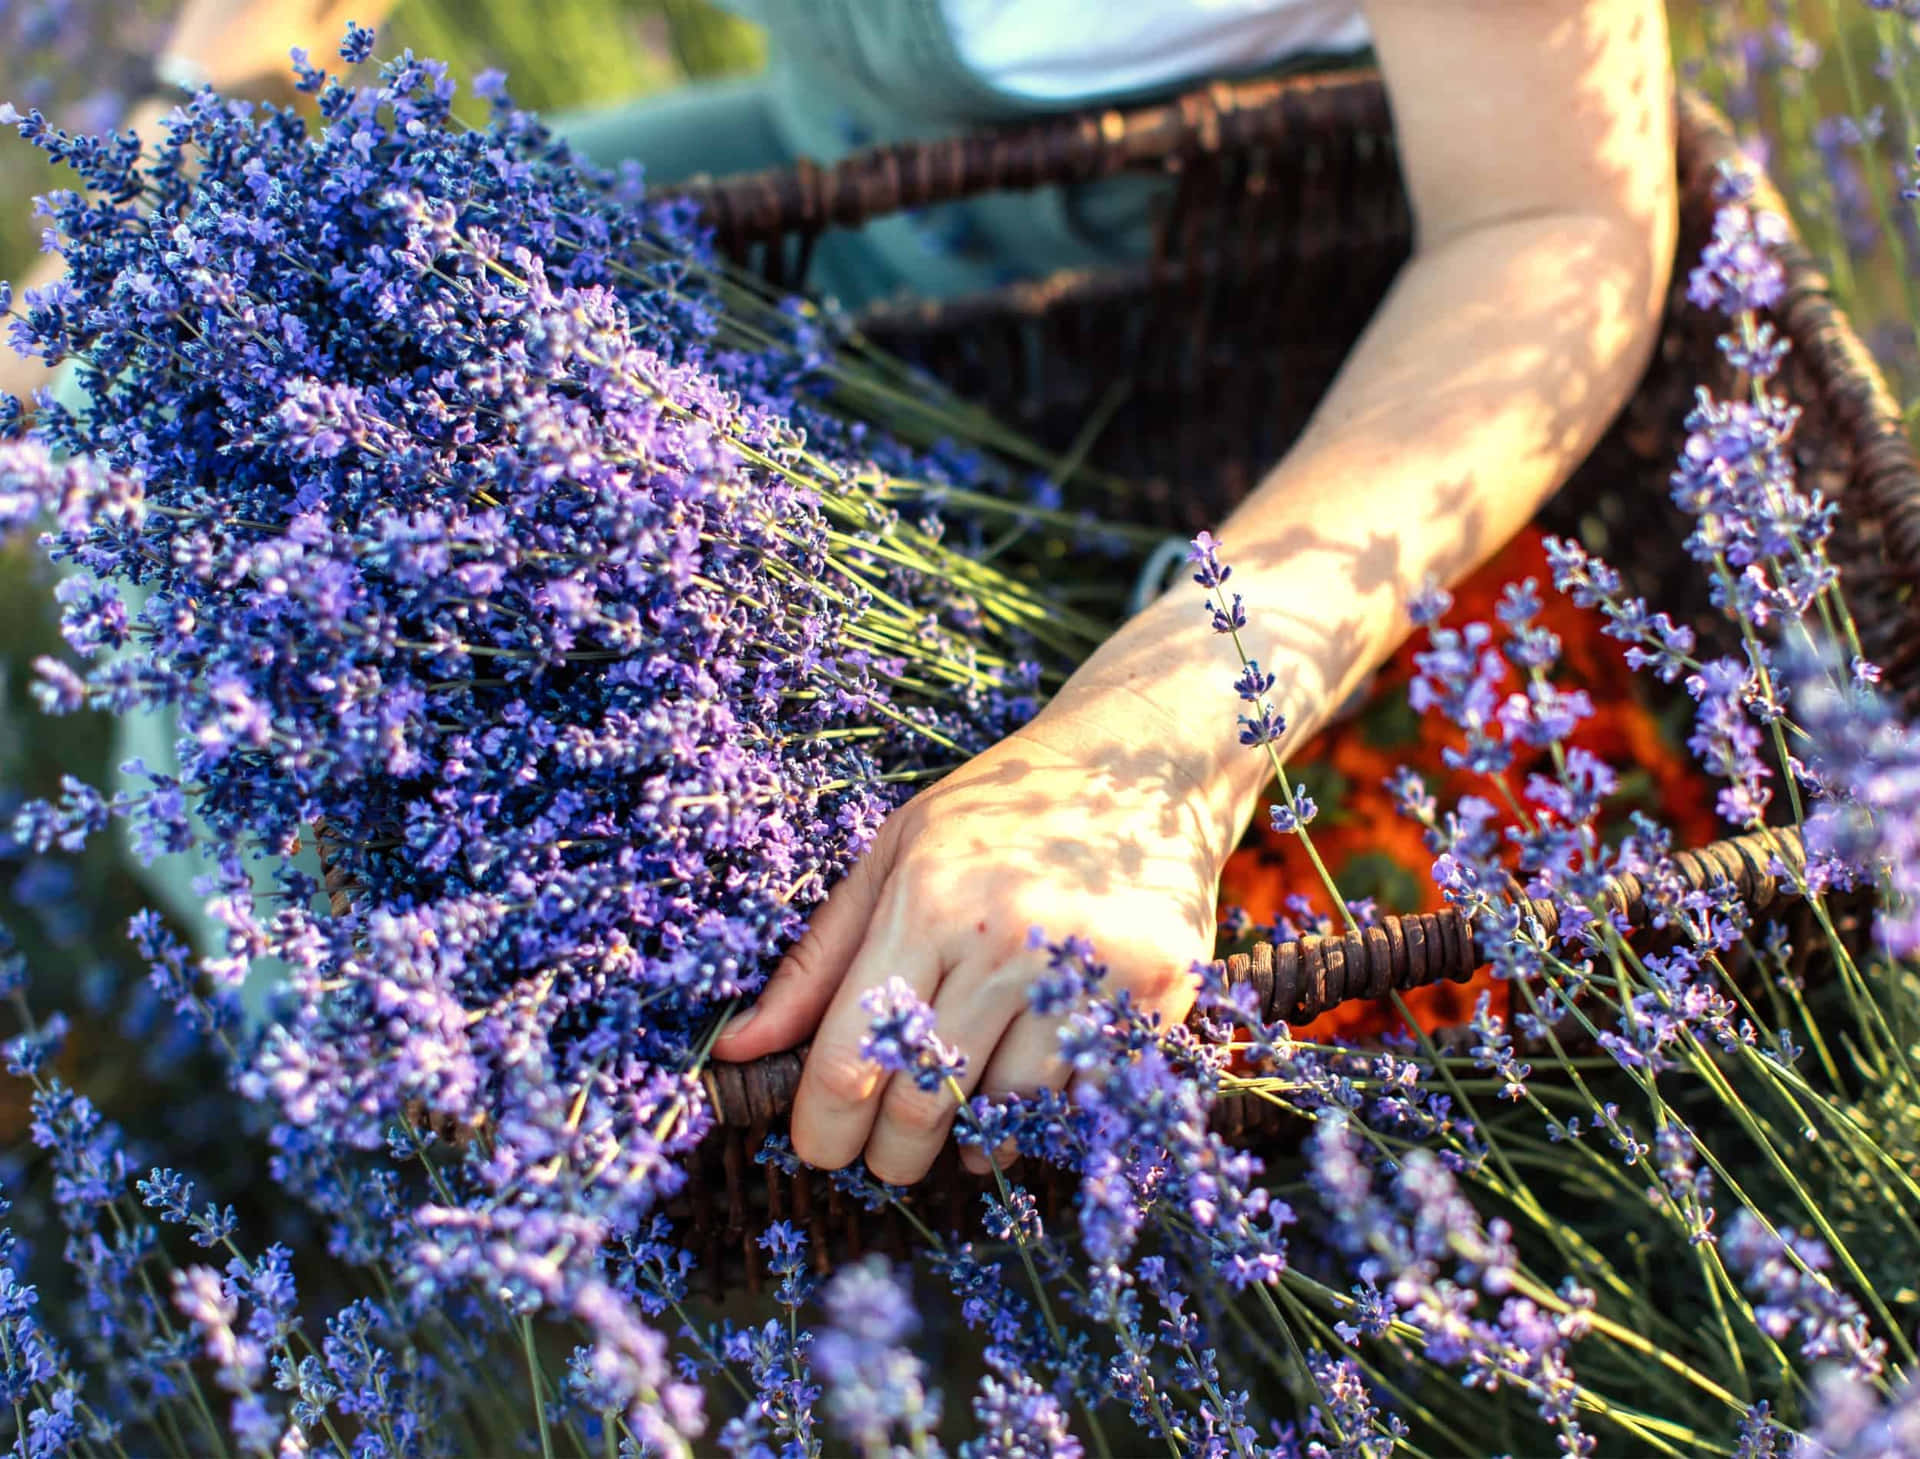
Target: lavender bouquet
(477, 531)
(492, 535)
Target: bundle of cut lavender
(479, 528)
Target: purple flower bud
(1290, 818)
(900, 1037)
(1204, 556)
(358, 45)
(1739, 271)
(1253, 685)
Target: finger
(972, 1011)
(789, 1007)
(840, 1088)
(1027, 1060)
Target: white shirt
(1058, 50)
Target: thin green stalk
(538, 1385)
(1265, 1293)
(1041, 1301)
(1405, 1398)
(1709, 1070)
(1265, 706)
(19, 1413)
(1856, 103)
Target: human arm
(241, 47)
(1536, 137)
(1536, 140)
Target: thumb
(790, 1006)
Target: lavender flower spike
(901, 1040)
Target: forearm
(1496, 361)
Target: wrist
(1162, 690)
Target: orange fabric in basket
(1372, 849)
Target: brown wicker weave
(1284, 225)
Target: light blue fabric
(851, 73)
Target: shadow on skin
(1461, 435)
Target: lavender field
(459, 624)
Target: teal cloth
(850, 73)
(148, 736)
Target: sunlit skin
(1536, 136)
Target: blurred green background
(1823, 90)
(558, 53)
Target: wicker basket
(1282, 231)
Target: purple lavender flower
(1727, 741)
(1739, 269)
(901, 1040)
(1866, 763)
(1460, 675)
(1655, 642)
(874, 1385)
(1289, 818)
(478, 538)
(1348, 1424)
(1760, 1436)
(1016, 1418)
(1852, 1421)
(36, 1380)
(1204, 557)
(207, 1300)
(1786, 1275)
(1761, 534)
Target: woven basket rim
(1400, 950)
(1064, 148)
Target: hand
(1077, 824)
(241, 44)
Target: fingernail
(739, 1021)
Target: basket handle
(1077, 147)
(1301, 979)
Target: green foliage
(581, 53)
(1827, 94)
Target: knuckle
(1020, 1083)
(1169, 985)
(1011, 978)
(920, 880)
(893, 1170)
(842, 1076)
(873, 865)
(800, 964)
(1160, 978)
(914, 1111)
